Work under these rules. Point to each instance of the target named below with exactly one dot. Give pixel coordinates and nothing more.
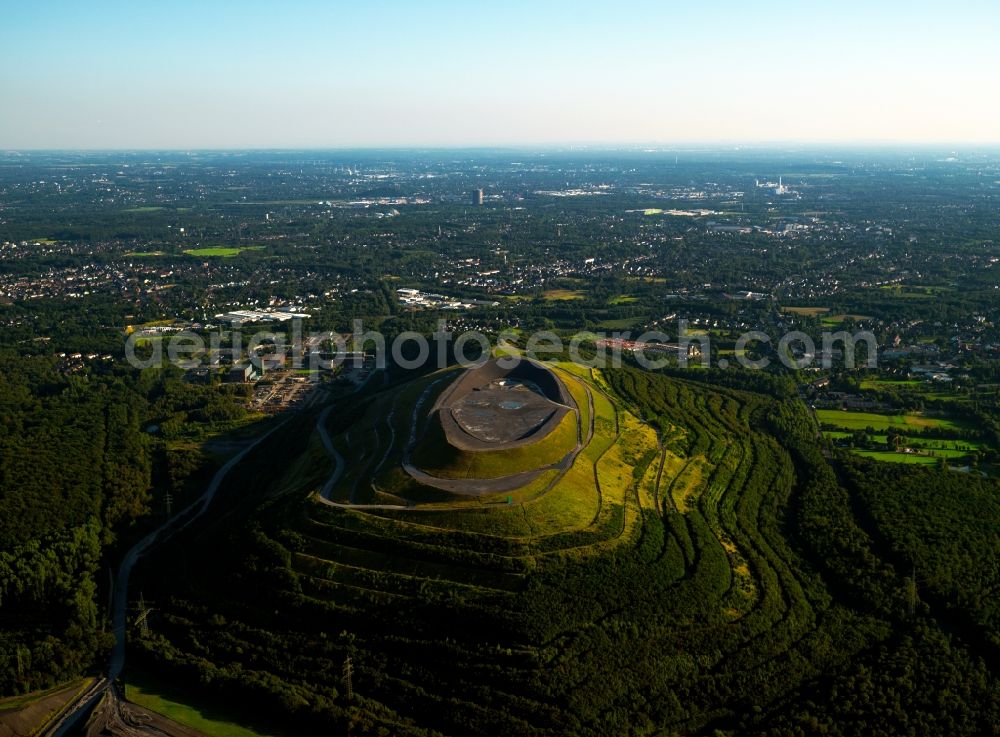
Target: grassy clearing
(806, 311)
(575, 369)
(888, 456)
(221, 251)
(889, 383)
(914, 291)
(562, 295)
(436, 456)
(616, 468)
(688, 487)
(647, 279)
(621, 324)
(912, 449)
(834, 320)
(623, 299)
(574, 502)
(179, 708)
(148, 208)
(579, 393)
(145, 254)
(274, 202)
(935, 444)
(861, 420)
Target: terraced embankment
(666, 581)
(649, 587)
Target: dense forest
(76, 486)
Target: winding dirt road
(104, 688)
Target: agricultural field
(869, 384)
(833, 321)
(221, 251)
(914, 291)
(949, 445)
(563, 295)
(849, 420)
(942, 445)
(889, 456)
(624, 323)
(806, 311)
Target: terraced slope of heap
(489, 435)
(649, 588)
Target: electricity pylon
(142, 617)
(348, 673)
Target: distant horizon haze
(185, 75)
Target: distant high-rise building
(477, 197)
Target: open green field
(148, 208)
(647, 279)
(145, 254)
(623, 323)
(862, 420)
(562, 295)
(806, 311)
(914, 291)
(623, 299)
(889, 384)
(186, 711)
(832, 321)
(913, 449)
(274, 202)
(888, 456)
(221, 251)
(946, 446)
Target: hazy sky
(204, 73)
